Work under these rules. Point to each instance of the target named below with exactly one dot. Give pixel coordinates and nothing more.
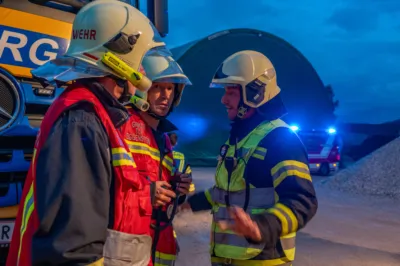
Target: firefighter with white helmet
(146, 135)
(263, 192)
(84, 202)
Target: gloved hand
(161, 193)
(183, 182)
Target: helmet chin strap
(159, 117)
(242, 109)
(125, 96)
(156, 116)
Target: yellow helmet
(166, 69)
(255, 74)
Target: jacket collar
(117, 112)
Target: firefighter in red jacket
(84, 202)
(146, 135)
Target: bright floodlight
(294, 127)
(331, 130)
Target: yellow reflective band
(288, 163)
(208, 197)
(289, 212)
(282, 219)
(34, 155)
(218, 229)
(26, 214)
(162, 259)
(99, 262)
(290, 168)
(143, 145)
(120, 157)
(290, 253)
(144, 149)
(178, 155)
(286, 217)
(192, 188)
(273, 262)
(291, 235)
(259, 153)
(295, 173)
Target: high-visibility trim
(226, 261)
(188, 170)
(290, 168)
(162, 259)
(288, 243)
(287, 218)
(142, 148)
(181, 164)
(225, 243)
(217, 229)
(259, 153)
(178, 155)
(29, 206)
(207, 193)
(99, 262)
(230, 251)
(120, 157)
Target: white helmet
(100, 28)
(253, 72)
(165, 69)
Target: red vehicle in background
(323, 147)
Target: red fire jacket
(130, 238)
(154, 164)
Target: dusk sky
(353, 44)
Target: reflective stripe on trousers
(163, 259)
(230, 262)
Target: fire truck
(31, 33)
(323, 148)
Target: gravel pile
(377, 174)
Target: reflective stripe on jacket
(226, 244)
(154, 165)
(180, 165)
(132, 205)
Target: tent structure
(201, 118)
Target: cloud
(354, 20)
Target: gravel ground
(377, 174)
(348, 230)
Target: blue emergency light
(331, 130)
(294, 128)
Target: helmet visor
(159, 51)
(172, 73)
(217, 85)
(64, 69)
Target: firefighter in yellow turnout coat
(263, 193)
